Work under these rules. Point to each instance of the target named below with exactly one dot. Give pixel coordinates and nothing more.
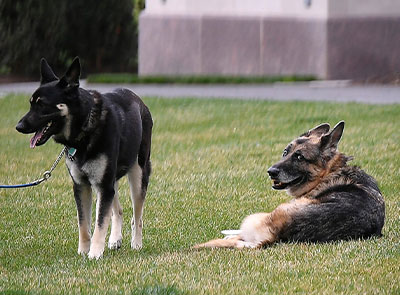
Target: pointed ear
(318, 130)
(71, 77)
(331, 140)
(46, 73)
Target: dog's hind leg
(138, 193)
(232, 242)
(83, 199)
(261, 229)
(115, 240)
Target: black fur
(116, 125)
(345, 211)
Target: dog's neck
(86, 132)
(338, 161)
(330, 176)
(312, 188)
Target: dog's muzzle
(278, 183)
(23, 128)
(273, 172)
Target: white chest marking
(76, 174)
(94, 170)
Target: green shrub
(103, 33)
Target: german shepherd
(332, 201)
(107, 136)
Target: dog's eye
(36, 101)
(299, 157)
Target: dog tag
(72, 151)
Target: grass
(209, 171)
(133, 78)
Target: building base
(333, 48)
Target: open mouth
(278, 185)
(41, 136)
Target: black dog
(107, 136)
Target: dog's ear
(71, 77)
(331, 140)
(318, 130)
(46, 73)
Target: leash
(92, 122)
(46, 174)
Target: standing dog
(332, 201)
(107, 136)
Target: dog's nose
(21, 127)
(273, 172)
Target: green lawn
(210, 159)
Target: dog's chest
(92, 170)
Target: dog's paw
(96, 256)
(250, 245)
(115, 245)
(136, 245)
(95, 252)
(83, 248)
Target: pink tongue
(36, 138)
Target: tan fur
(320, 173)
(261, 229)
(219, 243)
(328, 178)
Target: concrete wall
(331, 39)
(279, 8)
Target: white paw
(136, 245)
(95, 252)
(115, 245)
(243, 244)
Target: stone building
(329, 39)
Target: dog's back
(349, 206)
(136, 122)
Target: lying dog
(107, 136)
(332, 201)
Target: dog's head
(50, 103)
(306, 160)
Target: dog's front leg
(83, 199)
(105, 196)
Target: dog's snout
(22, 127)
(273, 172)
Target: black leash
(46, 175)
